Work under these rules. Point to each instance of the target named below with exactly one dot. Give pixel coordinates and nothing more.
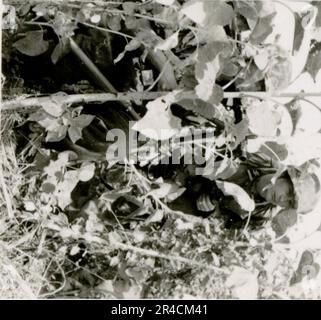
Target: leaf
(132, 45)
(307, 268)
(74, 133)
(241, 131)
(262, 59)
(48, 187)
(298, 33)
(199, 106)
(57, 135)
(86, 171)
(313, 64)
(32, 44)
(295, 111)
(61, 49)
(262, 29)
(317, 4)
(114, 22)
(169, 43)
(208, 13)
(285, 219)
(64, 188)
(55, 106)
(238, 193)
(129, 7)
(165, 2)
(247, 9)
(263, 119)
(166, 125)
(206, 88)
(272, 148)
(165, 189)
(77, 124)
(95, 18)
(243, 283)
(279, 74)
(157, 216)
(64, 26)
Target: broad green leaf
(279, 74)
(313, 64)
(57, 135)
(263, 119)
(317, 4)
(61, 49)
(238, 193)
(209, 52)
(307, 268)
(32, 44)
(247, 9)
(86, 171)
(159, 122)
(262, 29)
(64, 188)
(165, 2)
(169, 43)
(285, 219)
(298, 33)
(55, 106)
(208, 35)
(198, 106)
(208, 13)
(129, 7)
(48, 187)
(56, 166)
(132, 45)
(243, 283)
(206, 84)
(74, 133)
(77, 124)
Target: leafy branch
(31, 102)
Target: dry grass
(19, 275)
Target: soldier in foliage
(262, 179)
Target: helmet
(306, 189)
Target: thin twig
(155, 254)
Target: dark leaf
(279, 149)
(77, 124)
(208, 53)
(298, 33)
(129, 7)
(250, 79)
(285, 219)
(215, 12)
(61, 49)
(199, 106)
(75, 133)
(313, 64)
(48, 187)
(295, 112)
(32, 44)
(307, 268)
(247, 9)
(262, 29)
(318, 17)
(114, 22)
(57, 135)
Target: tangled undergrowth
(79, 220)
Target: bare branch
(31, 102)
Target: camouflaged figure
(261, 177)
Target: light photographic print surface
(160, 149)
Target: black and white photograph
(160, 150)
